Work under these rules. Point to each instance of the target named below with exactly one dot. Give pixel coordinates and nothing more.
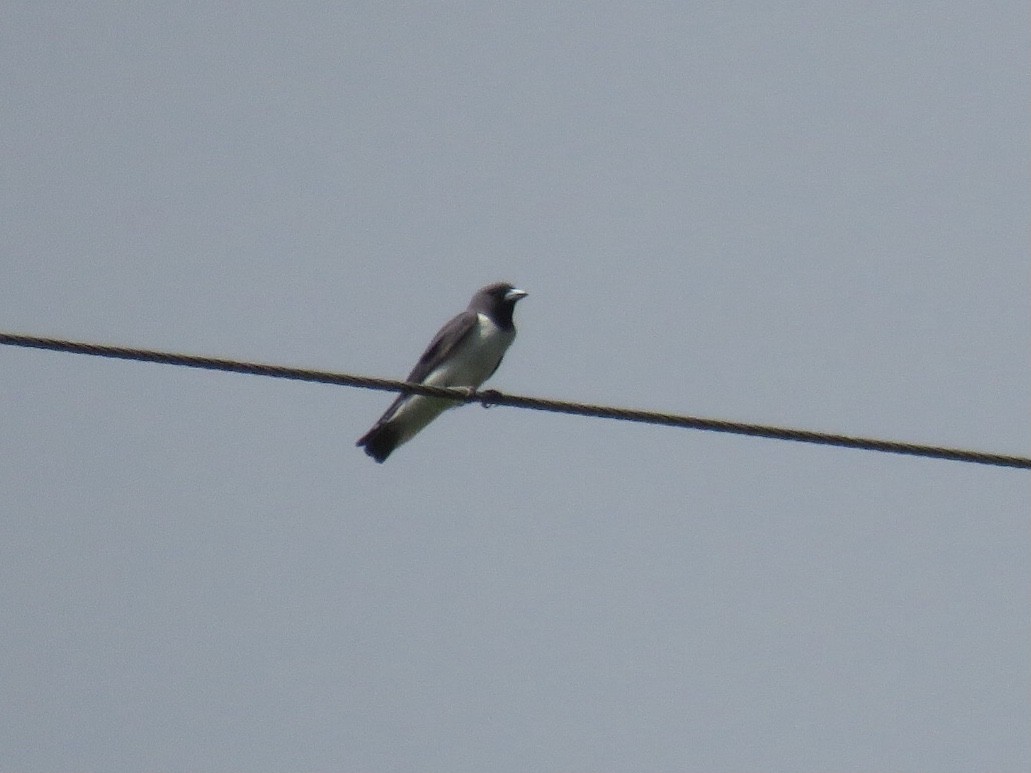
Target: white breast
(476, 358)
(469, 366)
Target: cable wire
(490, 397)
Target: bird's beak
(515, 294)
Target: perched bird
(465, 353)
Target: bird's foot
(488, 397)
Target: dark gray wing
(443, 345)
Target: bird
(464, 353)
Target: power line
(489, 397)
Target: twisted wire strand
(490, 397)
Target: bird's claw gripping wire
(489, 398)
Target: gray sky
(814, 215)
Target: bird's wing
(443, 345)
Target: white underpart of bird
(472, 364)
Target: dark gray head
(498, 302)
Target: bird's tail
(379, 442)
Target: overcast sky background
(806, 214)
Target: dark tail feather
(378, 442)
